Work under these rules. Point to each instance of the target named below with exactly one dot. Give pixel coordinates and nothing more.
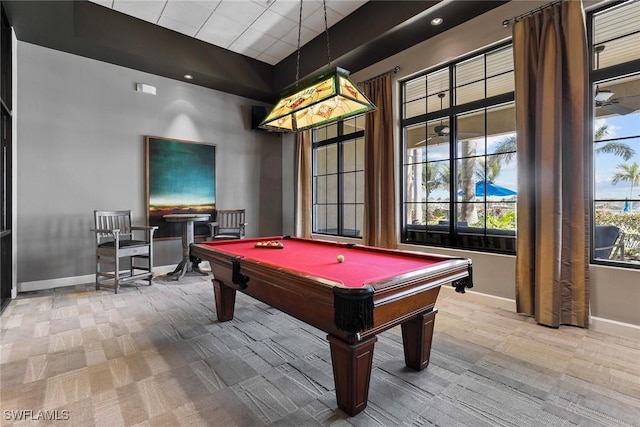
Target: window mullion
(453, 149)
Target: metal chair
(115, 241)
(229, 224)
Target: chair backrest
(605, 240)
(230, 221)
(110, 220)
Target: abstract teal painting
(181, 178)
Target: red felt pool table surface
(362, 265)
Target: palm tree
(445, 175)
(505, 151)
(432, 177)
(467, 171)
(494, 166)
(507, 147)
(601, 132)
(612, 147)
(627, 173)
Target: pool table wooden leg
(225, 300)
(416, 338)
(351, 372)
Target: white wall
(80, 146)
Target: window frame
(339, 140)
(597, 76)
(486, 240)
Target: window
(614, 34)
(338, 178)
(459, 154)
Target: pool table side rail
(396, 305)
(296, 295)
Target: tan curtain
(379, 200)
(303, 184)
(551, 73)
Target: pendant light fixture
(322, 99)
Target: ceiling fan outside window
(442, 132)
(603, 98)
(441, 129)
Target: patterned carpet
(157, 356)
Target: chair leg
(116, 283)
(117, 265)
(150, 261)
(97, 271)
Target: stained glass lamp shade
(326, 98)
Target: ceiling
(244, 47)
(266, 30)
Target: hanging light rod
(326, 98)
(515, 19)
(391, 71)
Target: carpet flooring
(157, 356)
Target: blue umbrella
(491, 189)
(626, 205)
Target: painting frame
(180, 177)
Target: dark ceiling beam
(363, 38)
(90, 30)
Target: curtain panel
(551, 74)
(379, 200)
(303, 184)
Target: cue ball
(340, 258)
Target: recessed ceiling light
(436, 21)
(188, 76)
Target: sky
(606, 164)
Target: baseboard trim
(41, 285)
(486, 299)
(597, 324)
(613, 327)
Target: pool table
(370, 291)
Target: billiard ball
(340, 258)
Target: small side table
(188, 221)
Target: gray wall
(288, 183)
(80, 146)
